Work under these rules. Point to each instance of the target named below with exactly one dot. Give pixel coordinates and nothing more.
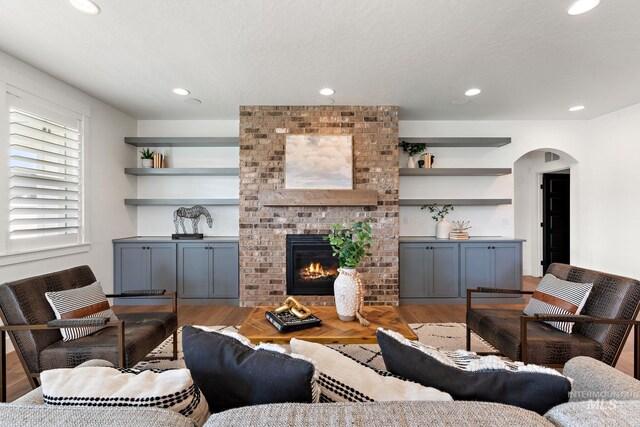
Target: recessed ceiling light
(576, 108)
(325, 101)
(582, 6)
(181, 92)
(327, 91)
(472, 92)
(193, 101)
(461, 101)
(85, 6)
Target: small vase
(411, 164)
(345, 290)
(147, 163)
(443, 228)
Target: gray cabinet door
(225, 270)
(131, 267)
(162, 258)
(194, 270)
(507, 265)
(413, 270)
(475, 267)
(442, 260)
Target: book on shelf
(459, 235)
(289, 322)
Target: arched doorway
(542, 215)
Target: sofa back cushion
(613, 297)
(23, 303)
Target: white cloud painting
(319, 162)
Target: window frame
(9, 252)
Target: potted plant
(412, 149)
(443, 227)
(350, 244)
(147, 157)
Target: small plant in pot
(350, 244)
(443, 227)
(412, 149)
(147, 157)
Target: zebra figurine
(193, 214)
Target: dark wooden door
(555, 223)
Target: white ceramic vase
(147, 163)
(345, 289)
(443, 228)
(411, 164)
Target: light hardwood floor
(17, 383)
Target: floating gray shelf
(151, 141)
(455, 171)
(455, 202)
(183, 171)
(181, 202)
(433, 142)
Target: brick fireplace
(264, 229)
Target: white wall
(158, 220)
(614, 167)
(106, 185)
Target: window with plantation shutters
(45, 177)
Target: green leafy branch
(351, 244)
(412, 149)
(440, 213)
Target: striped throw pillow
(556, 296)
(104, 387)
(88, 301)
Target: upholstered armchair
(600, 330)
(35, 332)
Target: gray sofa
(601, 396)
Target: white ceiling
(531, 59)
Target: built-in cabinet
(441, 270)
(428, 270)
(208, 270)
(490, 265)
(145, 266)
(202, 270)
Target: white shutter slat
(19, 191)
(49, 127)
(45, 177)
(30, 173)
(41, 149)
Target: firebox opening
(311, 266)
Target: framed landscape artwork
(319, 162)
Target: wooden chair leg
(636, 351)
(468, 347)
(175, 345)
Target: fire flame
(316, 271)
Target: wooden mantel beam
(319, 198)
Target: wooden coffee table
(333, 330)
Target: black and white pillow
(86, 302)
(467, 376)
(557, 296)
(232, 373)
(171, 389)
(343, 379)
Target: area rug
(444, 336)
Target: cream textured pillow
(345, 380)
(171, 389)
(87, 301)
